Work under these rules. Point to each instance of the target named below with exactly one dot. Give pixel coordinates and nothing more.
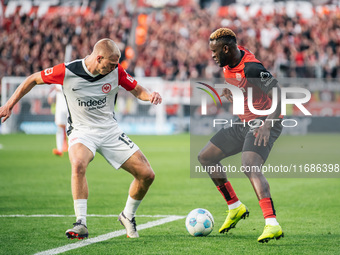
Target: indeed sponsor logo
(91, 102)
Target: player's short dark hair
(224, 35)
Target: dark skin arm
(263, 133)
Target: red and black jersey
(249, 72)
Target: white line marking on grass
(35, 216)
(1, 146)
(108, 236)
(89, 215)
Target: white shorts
(112, 144)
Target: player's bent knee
(202, 157)
(149, 177)
(210, 155)
(252, 170)
(205, 158)
(78, 167)
(251, 159)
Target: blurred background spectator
(172, 43)
(29, 44)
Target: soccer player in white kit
(60, 118)
(90, 87)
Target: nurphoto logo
(239, 103)
(238, 99)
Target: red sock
(267, 207)
(228, 193)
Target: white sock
(80, 209)
(271, 221)
(60, 138)
(234, 205)
(131, 207)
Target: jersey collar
(87, 70)
(242, 56)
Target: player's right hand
(227, 94)
(155, 98)
(5, 112)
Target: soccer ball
(199, 222)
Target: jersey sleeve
(125, 79)
(257, 75)
(54, 75)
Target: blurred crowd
(30, 44)
(175, 44)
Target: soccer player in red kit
(242, 69)
(90, 86)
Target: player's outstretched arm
(144, 95)
(23, 89)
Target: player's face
(219, 53)
(107, 64)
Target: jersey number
(125, 139)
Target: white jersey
(90, 98)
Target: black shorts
(238, 137)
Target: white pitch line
(107, 236)
(63, 216)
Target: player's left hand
(155, 98)
(261, 134)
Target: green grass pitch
(33, 181)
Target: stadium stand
(30, 43)
(172, 44)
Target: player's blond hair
(223, 33)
